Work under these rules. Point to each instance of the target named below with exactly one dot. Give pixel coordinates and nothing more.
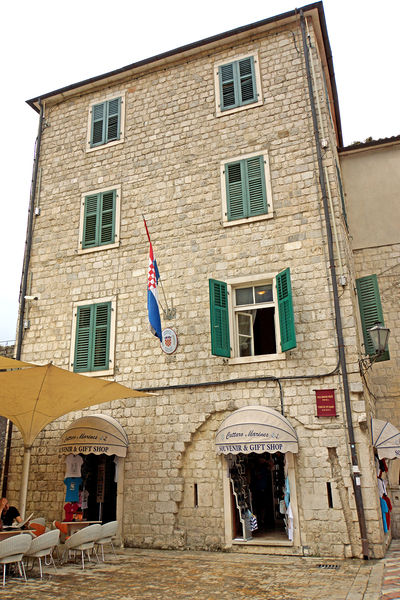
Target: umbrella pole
(24, 480)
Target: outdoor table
(7, 533)
(74, 526)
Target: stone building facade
(215, 144)
(371, 182)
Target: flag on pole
(152, 292)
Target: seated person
(8, 513)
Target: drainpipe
(338, 318)
(24, 284)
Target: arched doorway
(258, 445)
(101, 443)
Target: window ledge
(248, 220)
(253, 359)
(104, 146)
(94, 373)
(98, 248)
(230, 111)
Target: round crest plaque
(169, 341)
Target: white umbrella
(385, 438)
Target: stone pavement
(391, 579)
(171, 575)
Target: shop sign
(255, 429)
(94, 435)
(326, 405)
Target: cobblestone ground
(391, 580)
(167, 575)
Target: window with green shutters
(219, 316)
(92, 337)
(246, 194)
(285, 309)
(371, 312)
(99, 219)
(256, 312)
(106, 122)
(237, 83)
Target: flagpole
(159, 276)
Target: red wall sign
(326, 406)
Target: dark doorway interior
(258, 483)
(98, 474)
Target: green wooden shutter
(256, 193)
(101, 336)
(285, 310)
(227, 86)
(370, 310)
(98, 124)
(83, 339)
(92, 337)
(113, 119)
(219, 318)
(90, 222)
(107, 217)
(235, 190)
(246, 76)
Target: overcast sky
(46, 45)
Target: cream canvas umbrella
(35, 396)
(11, 363)
(385, 438)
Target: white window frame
(114, 244)
(113, 302)
(231, 59)
(254, 280)
(121, 139)
(268, 189)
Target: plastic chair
(12, 550)
(83, 540)
(108, 531)
(39, 521)
(43, 546)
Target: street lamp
(379, 337)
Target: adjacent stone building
(228, 148)
(371, 173)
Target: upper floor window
(93, 337)
(106, 123)
(100, 219)
(238, 84)
(246, 189)
(252, 318)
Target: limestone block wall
(168, 168)
(383, 378)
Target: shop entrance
(99, 487)
(258, 488)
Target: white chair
(108, 531)
(39, 520)
(12, 550)
(82, 540)
(42, 546)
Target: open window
(252, 319)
